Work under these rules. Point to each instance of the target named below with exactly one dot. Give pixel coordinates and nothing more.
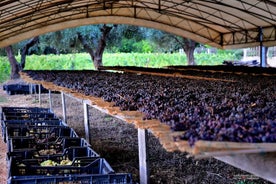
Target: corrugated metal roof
(219, 23)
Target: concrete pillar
(143, 155)
(63, 107)
(86, 123)
(50, 101)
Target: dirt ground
(116, 141)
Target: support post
(263, 56)
(143, 155)
(50, 101)
(262, 49)
(244, 54)
(31, 88)
(39, 94)
(86, 122)
(63, 107)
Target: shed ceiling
(219, 23)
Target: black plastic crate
(41, 133)
(52, 122)
(74, 152)
(26, 109)
(13, 89)
(68, 153)
(21, 144)
(118, 178)
(28, 116)
(7, 123)
(88, 165)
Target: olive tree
(169, 43)
(16, 67)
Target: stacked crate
(43, 149)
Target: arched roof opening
(218, 23)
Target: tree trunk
(98, 62)
(96, 55)
(189, 48)
(105, 30)
(15, 68)
(190, 56)
(25, 49)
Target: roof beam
(220, 23)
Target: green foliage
(4, 69)
(126, 45)
(82, 61)
(143, 60)
(132, 46)
(162, 59)
(213, 59)
(237, 52)
(143, 46)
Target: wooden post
(63, 107)
(86, 122)
(50, 101)
(143, 155)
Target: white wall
(253, 54)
